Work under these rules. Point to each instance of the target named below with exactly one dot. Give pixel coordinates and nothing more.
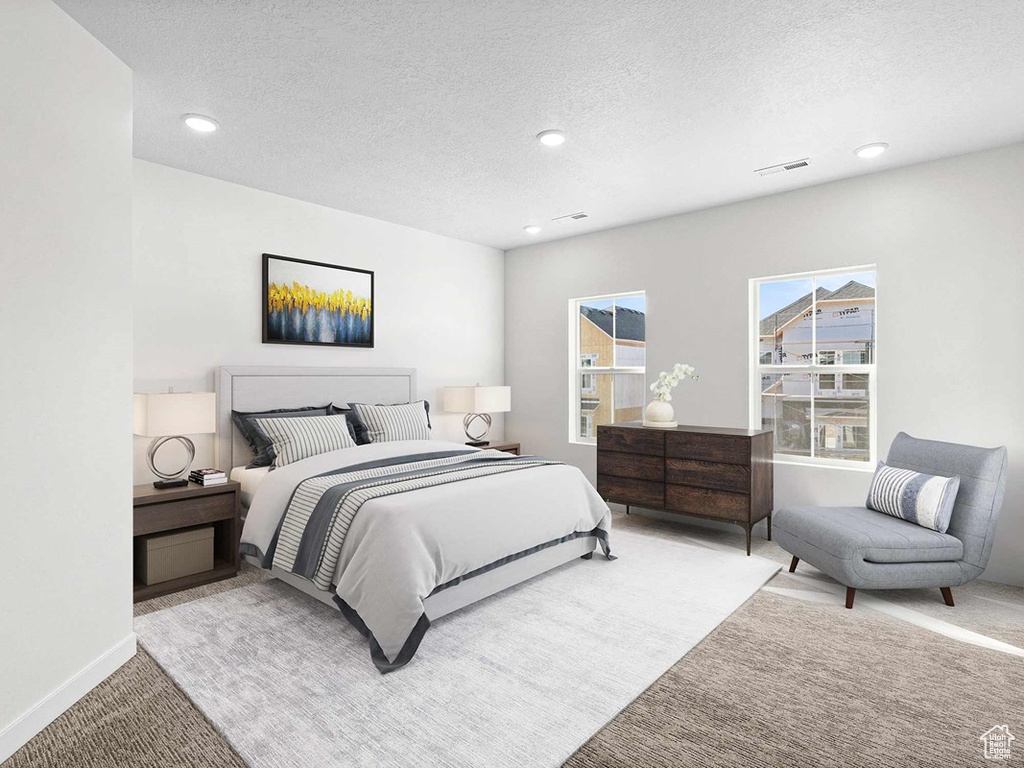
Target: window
(588, 381)
(855, 382)
(813, 374)
(608, 374)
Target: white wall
(948, 239)
(65, 311)
(439, 303)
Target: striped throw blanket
(323, 507)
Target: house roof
(630, 324)
(852, 290)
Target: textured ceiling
(424, 112)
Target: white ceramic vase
(660, 414)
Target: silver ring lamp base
(176, 479)
(477, 432)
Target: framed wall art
(310, 302)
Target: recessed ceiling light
(551, 138)
(871, 150)
(531, 229)
(200, 123)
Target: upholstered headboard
(265, 388)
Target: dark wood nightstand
(506, 447)
(158, 511)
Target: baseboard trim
(17, 734)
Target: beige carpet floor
(790, 679)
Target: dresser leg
(748, 541)
(627, 509)
(769, 527)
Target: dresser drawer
(181, 513)
(631, 465)
(701, 446)
(630, 440)
(707, 474)
(707, 503)
(627, 490)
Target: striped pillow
(926, 500)
(387, 423)
(296, 439)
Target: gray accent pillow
(261, 445)
(925, 500)
(299, 438)
(387, 423)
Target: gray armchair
(864, 549)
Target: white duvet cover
(399, 548)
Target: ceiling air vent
(792, 165)
(571, 217)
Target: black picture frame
(325, 318)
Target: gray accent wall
(948, 239)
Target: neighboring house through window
(608, 358)
(813, 377)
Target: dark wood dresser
(722, 474)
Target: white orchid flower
(668, 380)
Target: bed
(436, 525)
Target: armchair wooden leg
(850, 592)
(947, 595)
(792, 565)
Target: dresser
(720, 474)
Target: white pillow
(300, 438)
(387, 423)
(926, 500)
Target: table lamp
(478, 403)
(167, 416)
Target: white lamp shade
(160, 414)
(478, 399)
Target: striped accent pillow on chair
(926, 500)
(296, 439)
(387, 423)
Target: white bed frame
(259, 388)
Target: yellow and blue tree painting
(315, 314)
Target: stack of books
(209, 476)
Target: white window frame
(757, 370)
(576, 369)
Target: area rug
(520, 679)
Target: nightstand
(506, 447)
(171, 509)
